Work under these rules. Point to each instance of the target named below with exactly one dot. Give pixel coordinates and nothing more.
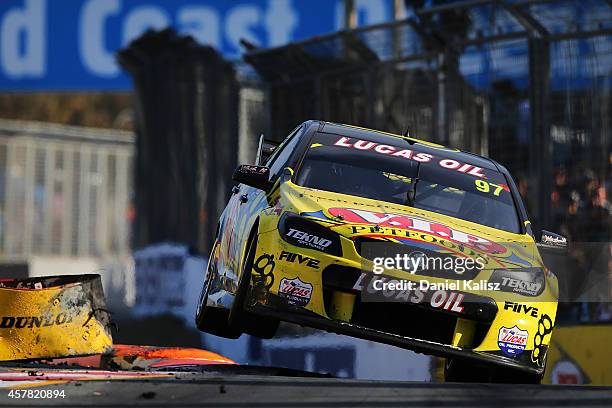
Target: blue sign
(64, 45)
(71, 44)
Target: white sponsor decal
(409, 155)
(512, 341)
(549, 239)
(295, 291)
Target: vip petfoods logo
(402, 225)
(29, 322)
(512, 341)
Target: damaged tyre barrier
(56, 316)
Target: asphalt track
(211, 390)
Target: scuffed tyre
(459, 370)
(210, 319)
(240, 318)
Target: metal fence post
(540, 155)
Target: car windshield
(400, 174)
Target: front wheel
(459, 370)
(209, 319)
(245, 321)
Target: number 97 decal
(486, 187)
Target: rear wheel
(209, 319)
(247, 322)
(459, 370)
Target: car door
(247, 202)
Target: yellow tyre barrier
(56, 316)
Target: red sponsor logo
(514, 339)
(296, 287)
(402, 221)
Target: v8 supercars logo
(512, 341)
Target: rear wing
(264, 150)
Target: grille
(370, 248)
(403, 319)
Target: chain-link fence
(526, 82)
(64, 190)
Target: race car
(387, 238)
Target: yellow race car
(387, 238)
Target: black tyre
(241, 319)
(458, 370)
(213, 320)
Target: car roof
(416, 144)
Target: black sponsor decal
(528, 282)
(29, 322)
(306, 233)
(309, 240)
(300, 259)
(521, 308)
(263, 271)
(545, 326)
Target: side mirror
(254, 176)
(265, 148)
(554, 251)
(552, 242)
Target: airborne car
(308, 233)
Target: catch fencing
(525, 82)
(65, 191)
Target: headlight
(524, 281)
(304, 233)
